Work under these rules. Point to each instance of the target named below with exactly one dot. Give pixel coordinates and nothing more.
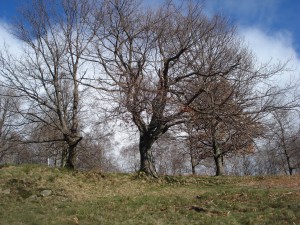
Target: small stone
(46, 193)
(6, 191)
(64, 199)
(33, 198)
(76, 220)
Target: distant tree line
(197, 98)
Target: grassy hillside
(32, 194)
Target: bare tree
(130, 154)
(294, 154)
(46, 144)
(228, 115)
(56, 34)
(225, 119)
(169, 155)
(194, 147)
(267, 160)
(148, 58)
(9, 133)
(94, 151)
(284, 137)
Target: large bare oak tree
(150, 58)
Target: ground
(38, 195)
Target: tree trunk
(290, 168)
(72, 152)
(147, 162)
(218, 157)
(193, 170)
(63, 157)
(289, 164)
(219, 165)
(71, 158)
(193, 165)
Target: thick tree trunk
(219, 165)
(147, 162)
(72, 152)
(218, 157)
(71, 158)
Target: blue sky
(270, 16)
(8, 9)
(269, 27)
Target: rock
(46, 193)
(76, 220)
(6, 191)
(33, 198)
(63, 199)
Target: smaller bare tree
(130, 154)
(10, 137)
(56, 34)
(284, 137)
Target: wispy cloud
(276, 46)
(266, 26)
(7, 40)
(273, 48)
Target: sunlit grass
(96, 198)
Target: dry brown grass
(292, 182)
(95, 198)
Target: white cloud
(8, 40)
(273, 48)
(278, 46)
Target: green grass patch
(96, 198)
